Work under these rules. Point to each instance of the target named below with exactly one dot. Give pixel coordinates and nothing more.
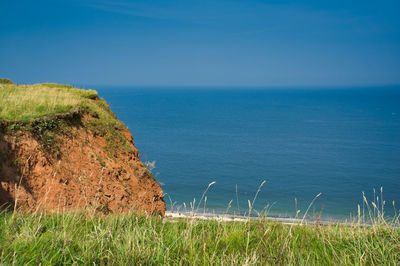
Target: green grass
(46, 110)
(135, 239)
(24, 103)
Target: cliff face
(71, 162)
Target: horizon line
(239, 86)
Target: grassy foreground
(77, 238)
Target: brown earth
(82, 175)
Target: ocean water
(338, 142)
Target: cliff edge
(63, 149)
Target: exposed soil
(82, 175)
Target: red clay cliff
(81, 175)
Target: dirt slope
(75, 168)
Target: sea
(281, 152)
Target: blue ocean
(339, 142)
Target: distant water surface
(338, 142)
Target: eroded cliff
(80, 158)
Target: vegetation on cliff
(63, 148)
(47, 109)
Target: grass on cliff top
(41, 109)
(131, 239)
(23, 103)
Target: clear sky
(201, 43)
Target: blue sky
(201, 43)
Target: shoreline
(240, 218)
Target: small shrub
(101, 161)
(55, 85)
(89, 94)
(46, 133)
(6, 81)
